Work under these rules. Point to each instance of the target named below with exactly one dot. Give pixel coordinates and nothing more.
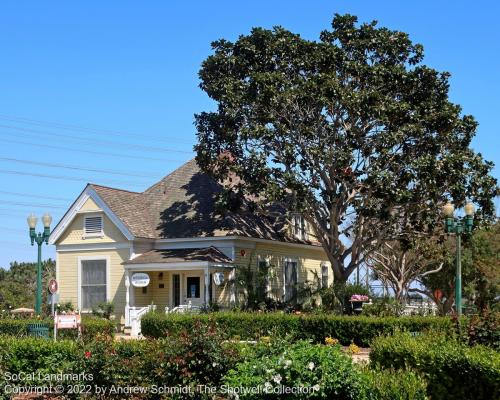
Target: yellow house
(170, 246)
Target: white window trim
(97, 234)
(79, 280)
(285, 260)
(303, 230)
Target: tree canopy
(352, 130)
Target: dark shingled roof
(182, 205)
(210, 254)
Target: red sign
(53, 286)
(438, 294)
(68, 321)
(243, 252)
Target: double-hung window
(93, 283)
(299, 228)
(291, 280)
(324, 275)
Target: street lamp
(39, 239)
(458, 226)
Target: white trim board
(92, 246)
(66, 220)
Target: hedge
(201, 358)
(90, 327)
(452, 370)
(248, 326)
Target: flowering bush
(329, 341)
(353, 349)
(300, 370)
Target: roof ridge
(168, 175)
(113, 188)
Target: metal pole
(38, 304)
(458, 277)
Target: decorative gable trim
(67, 219)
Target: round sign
(53, 286)
(219, 278)
(140, 279)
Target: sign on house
(140, 279)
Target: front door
(290, 281)
(176, 289)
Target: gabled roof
(183, 205)
(209, 254)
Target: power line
(76, 168)
(18, 203)
(101, 153)
(81, 128)
(66, 178)
(97, 141)
(34, 195)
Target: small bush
(103, 310)
(481, 329)
(396, 385)
(453, 370)
(249, 326)
(90, 327)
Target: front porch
(177, 279)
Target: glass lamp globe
(448, 210)
(47, 220)
(469, 209)
(32, 220)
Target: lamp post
(458, 226)
(39, 239)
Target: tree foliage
(352, 130)
(18, 283)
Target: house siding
(68, 275)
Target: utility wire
(18, 203)
(101, 153)
(81, 128)
(76, 168)
(67, 178)
(93, 142)
(34, 195)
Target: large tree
(353, 131)
(400, 264)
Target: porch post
(127, 298)
(207, 285)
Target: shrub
(453, 370)
(103, 310)
(395, 385)
(314, 371)
(90, 327)
(249, 326)
(481, 329)
(187, 360)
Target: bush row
(187, 361)
(453, 370)
(248, 326)
(90, 327)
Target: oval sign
(53, 286)
(140, 279)
(219, 278)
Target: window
(324, 275)
(263, 279)
(193, 287)
(290, 271)
(93, 281)
(299, 227)
(93, 226)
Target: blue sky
(111, 78)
